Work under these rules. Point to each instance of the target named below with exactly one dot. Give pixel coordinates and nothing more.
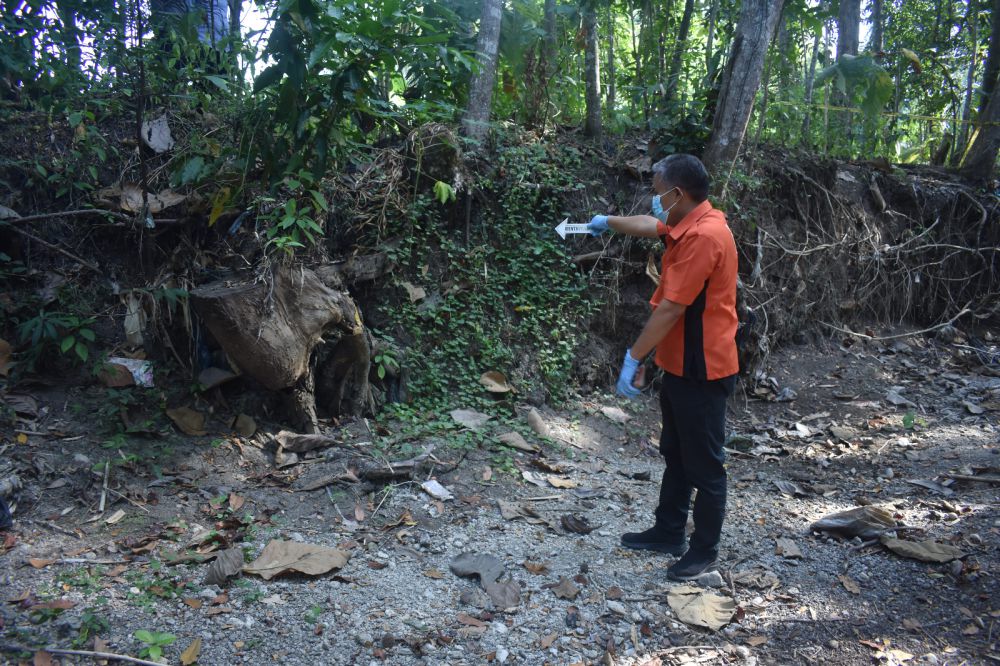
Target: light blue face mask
(657, 208)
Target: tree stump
(271, 327)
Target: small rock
(208, 593)
(974, 539)
(710, 579)
(743, 651)
(617, 607)
(297, 537)
(499, 627)
(502, 654)
(834, 644)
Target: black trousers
(694, 432)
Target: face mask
(658, 210)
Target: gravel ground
(821, 435)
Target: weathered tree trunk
(477, 115)
(612, 93)
(991, 70)
(270, 328)
(982, 156)
(592, 71)
(878, 27)
(741, 80)
(848, 27)
(970, 79)
(680, 44)
(713, 14)
(810, 79)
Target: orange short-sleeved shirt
(699, 271)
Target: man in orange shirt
(693, 328)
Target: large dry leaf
(537, 423)
(470, 418)
(244, 425)
(279, 557)
(296, 443)
(787, 548)
(925, 551)
(514, 510)
(131, 199)
(190, 421)
(227, 564)
(566, 589)
(616, 414)
(516, 441)
(561, 482)
(699, 608)
(211, 377)
(190, 655)
(8, 213)
(576, 524)
(487, 567)
(504, 595)
(414, 292)
(22, 405)
(864, 521)
(495, 382)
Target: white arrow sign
(566, 228)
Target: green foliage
(70, 334)
(341, 69)
(512, 301)
(861, 77)
(91, 624)
(386, 363)
(154, 642)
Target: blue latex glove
(597, 225)
(627, 376)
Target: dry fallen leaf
(190, 655)
(236, 502)
(697, 607)
(849, 584)
(537, 424)
(970, 630)
(548, 640)
(470, 621)
(227, 564)
(787, 548)
(756, 641)
(495, 382)
(189, 421)
(925, 551)
(283, 556)
(561, 482)
(42, 658)
(566, 589)
(515, 440)
(115, 517)
(433, 573)
(193, 602)
(536, 567)
(39, 563)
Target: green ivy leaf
(67, 342)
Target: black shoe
(691, 566)
(653, 539)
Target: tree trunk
(713, 15)
(982, 156)
(963, 128)
(612, 93)
(992, 67)
(878, 27)
(477, 115)
(741, 80)
(70, 35)
(807, 110)
(848, 25)
(235, 15)
(592, 74)
(680, 44)
(270, 329)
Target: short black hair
(686, 172)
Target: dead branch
(83, 653)
(877, 338)
(51, 246)
(67, 213)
